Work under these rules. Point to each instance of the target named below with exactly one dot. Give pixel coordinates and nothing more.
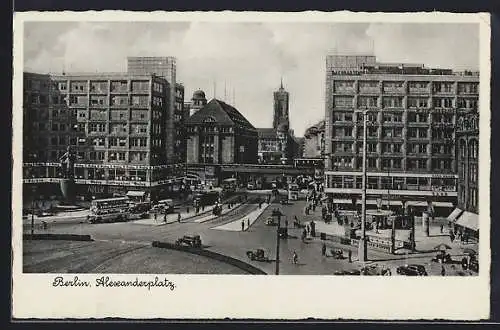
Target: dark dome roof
(199, 94)
(283, 127)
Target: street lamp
(362, 248)
(277, 213)
(33, 190)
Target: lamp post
(33, 190)
(362, 248)
(277, 213)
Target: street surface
(236, 243)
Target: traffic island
(210, 254)
(58, 237)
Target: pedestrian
(304, 235)
(308, 229)
(349, 254)
(178, 217)
(323, 250)
(442, 227)
(443, 271)
(248, 223)
(295, 257)
(155, 216)
(187, 209)
(203, 207)
(242, 225)
(165, 217)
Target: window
(119, 86)
(98, 142)
(117, 100)
(157, 87)
(443, 102)
(54, 141)
(348, 131)
(138, 157)
(55, 127)
(119, 115)
(99, 87)
(397, 147)
(118, 128)
(398, 132)
(78, 86)
(97, 128)
(139, 128)
(78, 100)
(141, 86)
(80, 127)
(62, 86)
(372, 162)
(392, 102)
(416, 102)
(158, 101)
(343, 101)
(138, 142)
(396, 163)
(422, 148)
(98, 100)
(412, 132)
(412, 117)
(140, 100)
(422, 133)
(386, 163)
(342, 86)
(372, 147)
(367, 101)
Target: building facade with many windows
(115, 124)
(466, 214)
(411, 111)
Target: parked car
(412, 270)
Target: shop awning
(468, 220)
(136, 193)
(454, 215)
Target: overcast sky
(248, 57)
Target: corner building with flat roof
(115, 123)
(412, 111)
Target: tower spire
(281, 86)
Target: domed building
(198, 101)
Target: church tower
(281, 98)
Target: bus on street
(109, 210)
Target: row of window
(120, 86)
(394, 132)
(398, 102)
(392, 163)
(398, 86)
(409, 183)
(415, 148)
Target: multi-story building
(166, 68)
(115, 123)
(218, 134)
(277, 145)
(314, 141)
(466, 213)
(179, 119)
(411, 111)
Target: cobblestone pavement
(115, 257)
(259, 235)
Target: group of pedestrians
(243, 224)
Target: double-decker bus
(109, 210)
(293, 191)
(229, 185)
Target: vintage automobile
(191, 241)
(337, 253)
(257, 255)
(412, 270)
(270, 221)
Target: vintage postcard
(164, 160)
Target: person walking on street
(248, 223)
(165, 217)
(178, 217)
(295, 257)
(187, 209)
(323, 250)
(443, 271)
(242, 225)
(155, 216)
(349, 254)
(304, 235)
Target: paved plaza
(223, 234)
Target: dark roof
(222, 113)
(267, 133)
